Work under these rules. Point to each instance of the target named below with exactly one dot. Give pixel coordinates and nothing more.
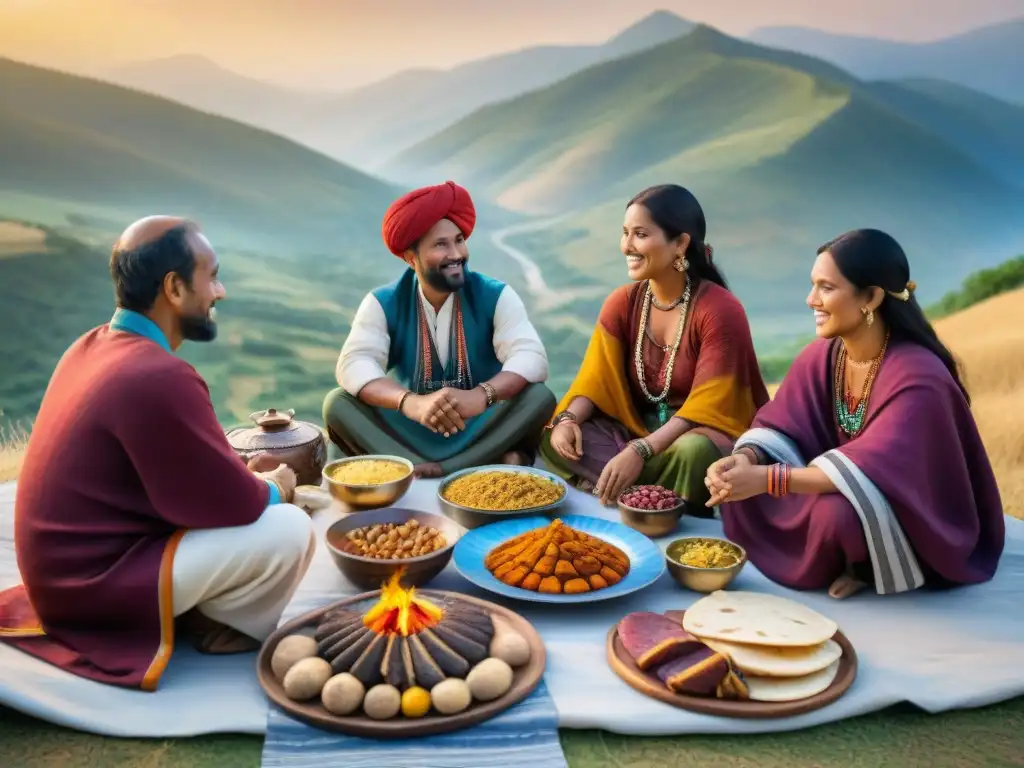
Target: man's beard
(199, 327)
(439, 281)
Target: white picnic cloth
(945, 650)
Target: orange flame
(400, 611)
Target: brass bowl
(362, 497)
(702, 579)
(653, 523)
(370, 573)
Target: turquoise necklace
(851, 420)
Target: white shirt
(364, 355)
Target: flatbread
(791, 688)
(766, 661)
(757, 619)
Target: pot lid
(274, 430)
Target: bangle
(642, 447)
(563, 416)
(778, 480)
(401, 402)
(492, 395)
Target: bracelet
(401, 402)
(642, 447)
(778, 480)
(492, 395)
(563, 416)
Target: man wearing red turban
(442, 366)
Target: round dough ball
(510, 647)
(342, 694)
(290, 650)
(451, 695)
(489, 679)
(382, 702)
(306, 678)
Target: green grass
(901, 737)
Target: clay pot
(298, 444)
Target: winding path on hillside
(545, 297)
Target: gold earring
(869, 315)
(681, 264)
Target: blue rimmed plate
(646, 561)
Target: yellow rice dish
(369, 472)
(502, 491)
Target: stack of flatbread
(784, 649)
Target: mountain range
(784, 150)
(368, 125)
(94, 145)
(989, 59)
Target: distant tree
(979, 286)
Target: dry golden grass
(12, 447)
(16, 238)
(989, 340)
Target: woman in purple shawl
(867, 467)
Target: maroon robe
(126, 454)
(923, 458)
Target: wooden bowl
(369, 572)
(525, 678)
(361, 497)
(704, 580)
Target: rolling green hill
(989, 131)
(783, 150)
(298, 236)
(70, 143)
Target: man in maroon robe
(132, 509)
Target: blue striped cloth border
(524, 734)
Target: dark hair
(676, 211)
(138, 273)
(870, 258)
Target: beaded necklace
(663, 409)
(463, 375)
(851, 420)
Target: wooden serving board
(525, 678)
(649, 684)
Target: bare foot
(224, 641)
(428, 469)
(516, 458)
(845, 586)
(212, 637)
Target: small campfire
(400, 611)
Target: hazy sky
(338, 43)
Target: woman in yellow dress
(670, 378)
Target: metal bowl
(361, 497)
(370, 573)
(702, 579)
(470, 517)
(651, 522)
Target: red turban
(411, 216)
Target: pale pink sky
(344, 42)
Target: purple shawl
(917, 474)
